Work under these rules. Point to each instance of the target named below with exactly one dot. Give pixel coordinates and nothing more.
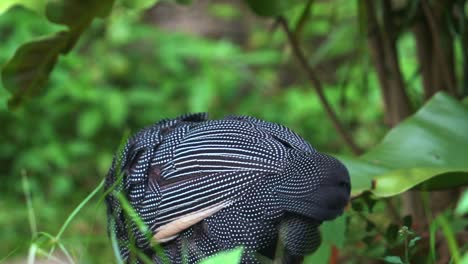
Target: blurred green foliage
(126, 73)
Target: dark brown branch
(377, 52)
(439, 50)
(383, 50)
(303, 18)
(424, 46)
(462, 18)
(316, 83)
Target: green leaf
(462, 207)
(426, 151)
(226, 257)
(77, 13)
(28, 71)
(413, 241)
(26, 74)
(269, 8)
(393, 259)
(440, 182)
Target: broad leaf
(226, 257)
(427, 151)
(27, 72)
(31, 65)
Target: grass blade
(27, 194)
(451, 241)
(78, 208)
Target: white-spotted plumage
(203, 186)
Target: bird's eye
(344, 184)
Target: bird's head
(320, 183)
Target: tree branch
(445, 66)
(381, 37)
(318, 87)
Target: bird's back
(233, 182)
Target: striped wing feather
(213, 165)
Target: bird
(188, 188)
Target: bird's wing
(141, 148)
(213, 166)
(281, 133)
(129, 175)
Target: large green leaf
(31, 65)
(429, 150)
(27, 72)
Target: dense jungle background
(381, 84)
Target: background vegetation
(76, 75)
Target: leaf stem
(317, 84)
